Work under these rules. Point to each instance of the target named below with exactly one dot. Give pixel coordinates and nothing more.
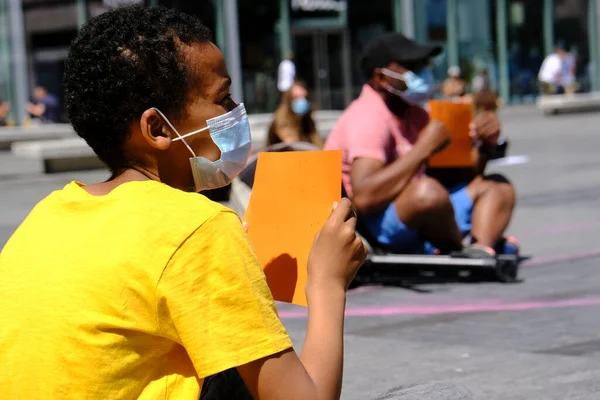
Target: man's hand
(434, 137)
(486, 128)
(37, 110)
(29, 107)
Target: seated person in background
(46, 107)
(485, 100)
(293, 121)
(454, 85)
(568, 78)
(481, 81)
(386, 141)
(4, 109)
(550, 73)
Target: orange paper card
(291, 199)
(456, 117)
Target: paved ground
(539, 339)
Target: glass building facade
(508, 37)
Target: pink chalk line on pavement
(453, 309)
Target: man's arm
(480, 161)
(375, 185)
(486, 132)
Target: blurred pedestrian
(286, 73)
(567, 78)
(45, 106)
(293, 121)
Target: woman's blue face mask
(300, 106)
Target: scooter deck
(503, 268)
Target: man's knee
(496, 185)
(429, 195)
(502, 188)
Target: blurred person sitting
(4, 110)
(454, 86)
(485, 100)
(293, 120)
(568, 79)
(45, 106)
(386, 141)
(551, 71)
(481, 81)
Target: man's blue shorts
(387, 228)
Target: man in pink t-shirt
(386, 139)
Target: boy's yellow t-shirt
(140, 293)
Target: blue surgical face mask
(231, 133)
(418, 89)
(300, 106)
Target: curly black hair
(122, 63)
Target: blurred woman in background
(293, 121)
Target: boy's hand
(337, 252)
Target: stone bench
(560, 103)
(60, 155)
(12, 134)
(72, 153)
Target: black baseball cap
(392, 46)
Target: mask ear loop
(394, 91)
(177, 132)
(392, 74)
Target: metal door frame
(321, 59)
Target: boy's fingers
(341, 212)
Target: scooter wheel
(507, 271)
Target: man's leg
(494, 200)
(547, 88)
(424, 205)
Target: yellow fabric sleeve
(213, 299)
